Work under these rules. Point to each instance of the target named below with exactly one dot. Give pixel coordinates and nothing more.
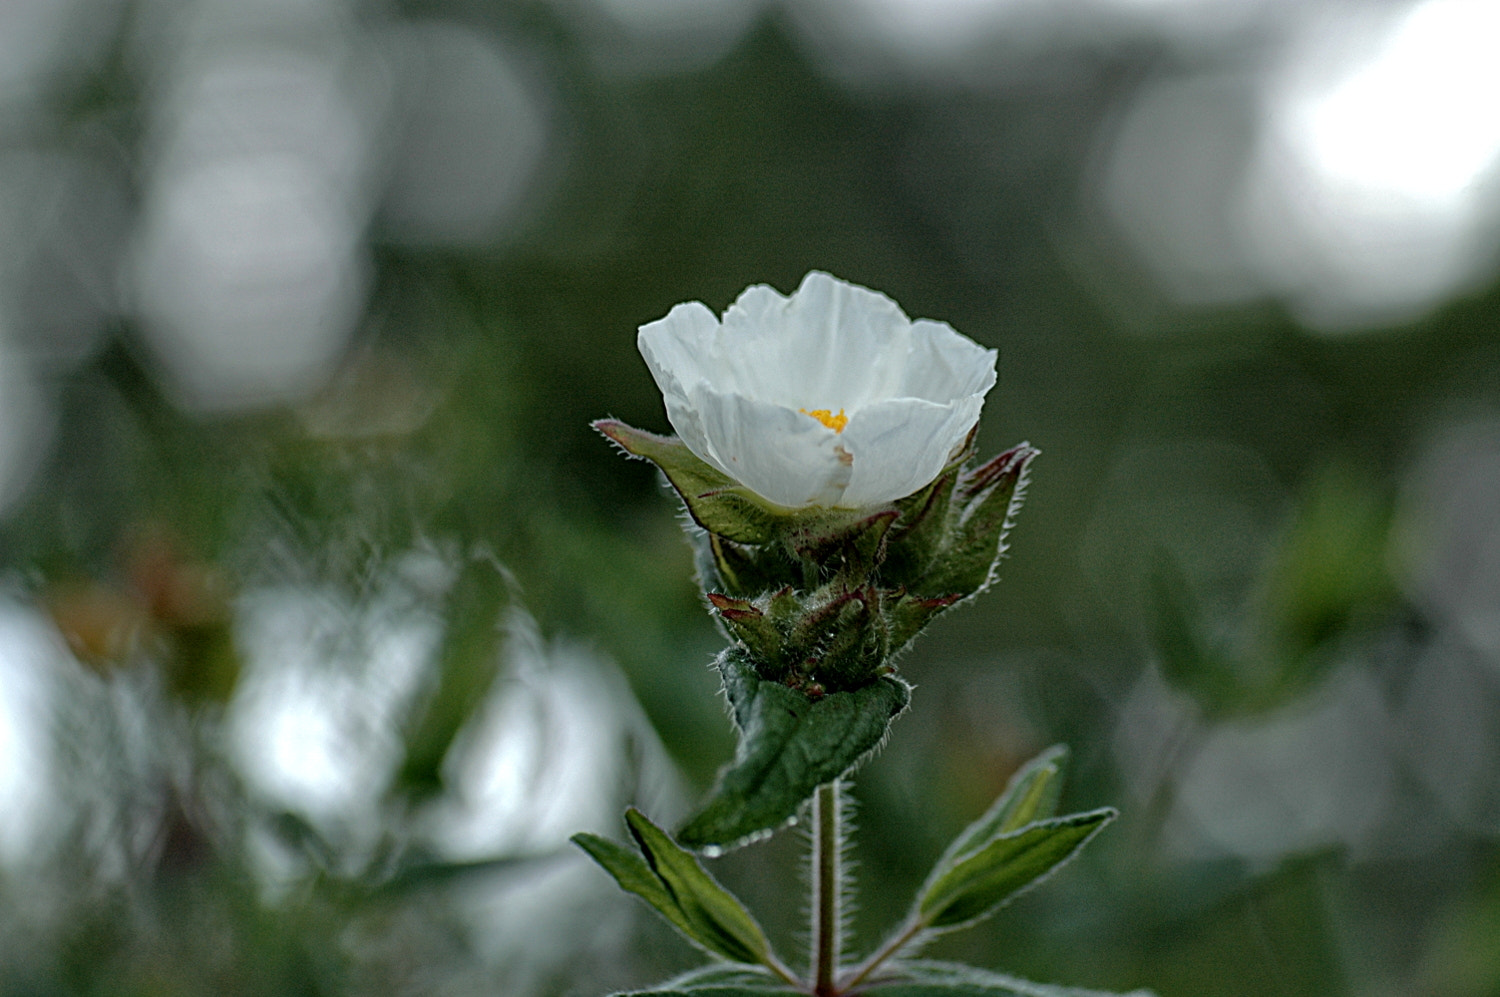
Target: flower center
(827, 418)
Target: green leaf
(1031, 795)
(720, 981)
(716, 501)
(942, 979)
(789, 745)
(984, 879)
(676, 884)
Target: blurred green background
(325, 618)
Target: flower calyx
(823, 599)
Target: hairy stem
(827, 887)
(898, 941)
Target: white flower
(830, 397)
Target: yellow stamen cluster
(827, 418)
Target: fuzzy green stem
(827, 855)
(898, 941)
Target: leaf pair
(1015, 845)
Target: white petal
(733, 391)
(945, 365)
(900, 445)
(830, 345)
(673, 347)
(777, 453)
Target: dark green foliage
(790, 743)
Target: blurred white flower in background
(1319, 773)
(1449, 551)
(1346, 165)
(829, 397)
(249, 269)
(560, 745)
(279, 137)
(470, 134)
(30, 654)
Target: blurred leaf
(789, 745)
(1325, 573)
(1327, 570)
(941, 979)
(1186, 659)
(978, 883)
(420, 874)
(466, 666)
(676, 884)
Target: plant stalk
(827, 889)
(898, 941)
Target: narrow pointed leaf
(1031, 795)
(635, 876)
(789, 745)
(672, 881)
(715, 913)
(985, 879)
(941, 979)
(716, 501)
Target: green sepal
(918, 534)
(983, 507)
(739, 569)
(855, 647)
(757, 631)
(721, 981)
(1030, 796)
(673, 881)
(944, 979)
(843, 545)
(790, 743)
(716, 501)
(984, 879)
(907, 615)
(830, 641)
